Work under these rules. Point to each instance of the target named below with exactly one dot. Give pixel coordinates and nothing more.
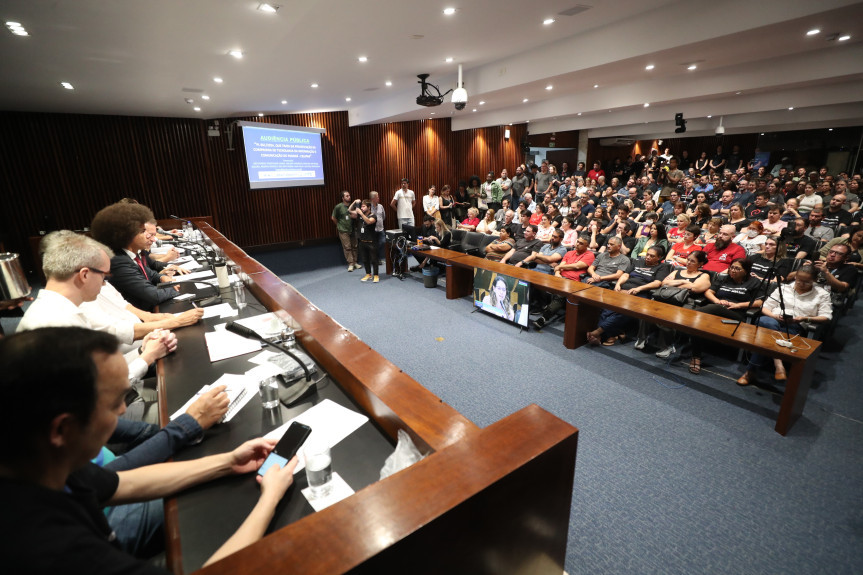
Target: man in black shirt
(63, 389)
(835, 217)
(758, 210)
(798, 245)
(523, 247)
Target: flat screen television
(280, 156)
(500, 295)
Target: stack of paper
(224, 344)
(240, 390)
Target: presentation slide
(282, 156)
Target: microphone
(247, 332)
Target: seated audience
(678, 256)
(500, 246)
(548, 255)
(737, 218)
(544, 229)
(609, 265)
(656, 237)
(523, 247)
(752, 238)
(722, 251)
(471, 221)
(676, 232)
(774, 225)
(772, 258)
(690, 278)
(488, 225)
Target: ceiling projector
(430, 95)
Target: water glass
(270, 392)
(240, 295)
(319, 467)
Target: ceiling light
(647, 104)
(829, 129)
(20, 32)
(790, 108)
(315, 85)
(388, 83)
(217, 80)
(197, 108)
(549, 87)
(548, 21)
(16, 28)
(762, 133)
(14, 25)
(708, 117)
(363, 59)
(260, 114)
(813, 32)
(448, 60)
(238, 54)
(284, 102)
(649, 67)
(691, 67)
(474, 109)
(737, 93)
(448, 11)
(348, 99)
(205, 97)
(845, 37)
(432, 113)
(579, 113)
(596, 85)
(188, 100)
(524, 101)
(482, 102)
(269, 8)
(67, 85)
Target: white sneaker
(665, 353)
(639, 345)
(351, 267)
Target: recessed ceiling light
(449, 11)
(647, 104)
(596, 85)
(14, 25)
(348, 99)
(315, 85)
(448, 60)
(790, 108)
(524, 101)
(649, 67)
(844, 37)
(363, 59)
(813, 32)
(829, 129)
(284, 101)
(737, 93)
(579, 113)
(238, 54)
(269, 8)
(16, 28)
(762, 133)
(188, 100)
(432, 113)
(474, 109)
(67, 85)
(548, 21)
(549, 87)
(708, 117)
(388, 83)
(197, 108)
(482, 102)
(217, 80)
(260, 114)
(691, 67)
(205, 97)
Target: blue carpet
(675, 473)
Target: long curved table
(491, 500)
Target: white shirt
(108, 313)
(430, 202)
(405, 203)
(51, 309)
(814, 303)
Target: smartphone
(287, 446)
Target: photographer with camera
(367, 237)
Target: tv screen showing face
(501, 295)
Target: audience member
(722, 251)
(548, 255)
(403, 202)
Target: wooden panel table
(473, 504)
(584, 307)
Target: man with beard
(573, 266)
(523, 247)
(548, 254)
(723, 251)
(520, 183)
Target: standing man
(403, 202)
(670, 178)
(520, 183)
(491, 193)
(341, 216)
(505, 185)
(368, 238)
(380, 213)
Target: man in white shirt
(76, 267)
(403, 202)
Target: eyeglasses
(105, 275)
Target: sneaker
(351, 267)
(376, 280)
(366, 278)
(639, 345)
(665, 353)
(539, 323)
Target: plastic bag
(405, 455)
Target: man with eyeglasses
(75, 268)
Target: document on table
(219, 310)
(184, 297)
(224, 344)
(240, 390)
(191, 265)
(265, 325)
(329, 421)
(182, 260)
(193, 276)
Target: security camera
(720, 130)
(459, 95)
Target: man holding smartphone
(63, 390)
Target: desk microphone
(242, 330)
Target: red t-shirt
(594, 174)
(681, 249)
(719, 260)
(471, 222)
(573, 257)
(536, 218)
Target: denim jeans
(757, 360)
